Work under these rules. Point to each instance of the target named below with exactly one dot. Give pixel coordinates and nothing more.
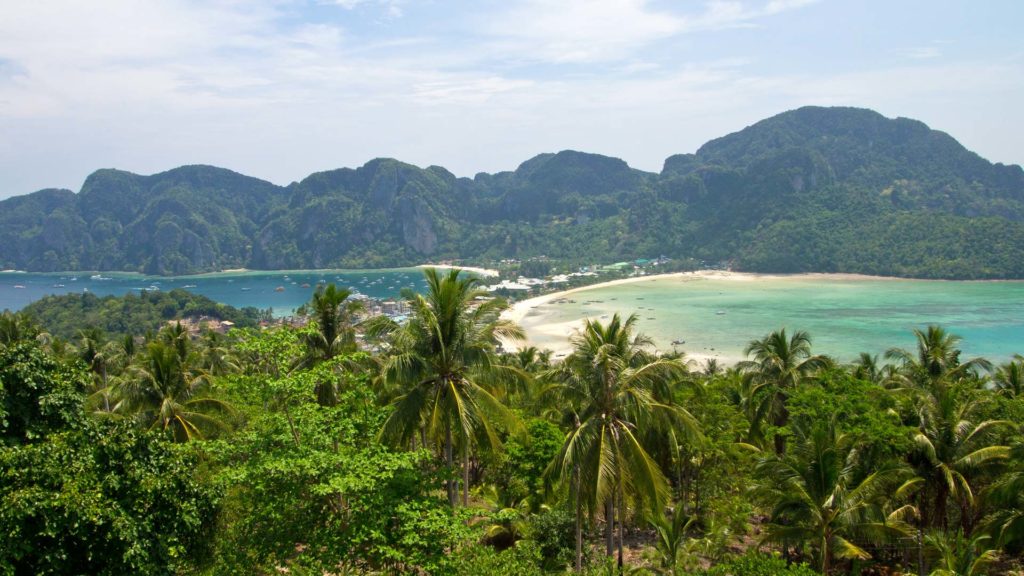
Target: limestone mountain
(813, 189)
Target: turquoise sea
(719, 317)
(283, 291)
(715, 317)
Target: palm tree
(335, 334)
(98, 355)
(958, 555)
(1009, 377)
(618, 391)
(819, 496)
(951, 448)
(216, 356)
(951, 444)
(779, 366)
(443, 358)
(936, 360)
(1007, 495)
(167, 394)
(15, 326)
(672, 531)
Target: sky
(279, 89)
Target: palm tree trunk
(579, 517)
(291, 426)
(824, 554)
(941, 499)
(449, 461)
(622, 524)
(609, 526)
(465, 474)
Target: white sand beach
(547, 329)
(486, 272)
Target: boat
(189, 286)
(19, 286)
(678, 342)
(246, 289)
(720, 312)
(58, 285)
(279, 289)
(304, 285)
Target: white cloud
(255, 87)
(593, 31)
(392, 8)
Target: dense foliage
(814, 189)
(66, 315)
(372, 447)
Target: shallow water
(719, 317)
(259, 289)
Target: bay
(282, 291)
(716, 317)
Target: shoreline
(485, 272)
(520, 309)
(563, 331)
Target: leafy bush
(521, 560)
(758, 564)
(554, 533)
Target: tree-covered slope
(188, 219)
(66, 315)
(813, 189)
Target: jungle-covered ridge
(373, 447)
(133, 314)
(813, 189)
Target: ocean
(281, 291)
(709, 317)
(706, 317)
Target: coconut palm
(618, 392)
(334, 315)
(167, 394)
(936, 359)
(953, 444)
(958, 555)
(443, 358)
(99, 356)
(819, 496)
(1009, 377)
(672, 530)
(14, 327)
(216, 356)
(779, 366)
(1007, 496)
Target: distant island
(810, 190)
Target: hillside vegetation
(814, 189)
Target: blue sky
(279, 89)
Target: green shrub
(759, 564)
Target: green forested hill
(814, 189)
(67, 315)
